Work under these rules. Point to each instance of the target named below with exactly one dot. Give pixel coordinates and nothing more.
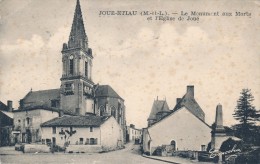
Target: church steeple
(78, 37)
(76, 81)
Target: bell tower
(76, 81)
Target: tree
(247, 116)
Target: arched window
(113, 111)
(102, 110)
(173, 144)
(28, 121)
(71, 63)
(86, 68)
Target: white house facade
(185, 132)
(182, 128)
(133, 133)
(83, 133)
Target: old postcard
(140, 81)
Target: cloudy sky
(140, 59)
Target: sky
(140, 59)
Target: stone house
(6, 124)
(183, 128)
(83, 133)
(27, 123)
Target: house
(6, 123)
(28, 120)
(133, 134)
(77, 95)
(183, 128)
(83, 133)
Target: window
(91, 129)
(71, 62)
(93, 141)
(43, 141)
(81, 141)
(55, 103)
(69, 88)
(53, 130)
(28, 121)
(86, 68)
(37, 135)
(48, 141)
(87, 141)
(203, 147)
(102, 110)
(113, 112)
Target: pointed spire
(78, 37)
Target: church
(78, 95)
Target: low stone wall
(36, 148)
(84, 149)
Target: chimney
(21, 104)
(219, 118)
(10, 105)
(178, 100)
(190, 91)
(132, 125)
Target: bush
(248, 157)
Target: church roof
(35, 98)
(106, 91)
(158, 106)
(76, 121)
(42, 95)
(78, 37)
